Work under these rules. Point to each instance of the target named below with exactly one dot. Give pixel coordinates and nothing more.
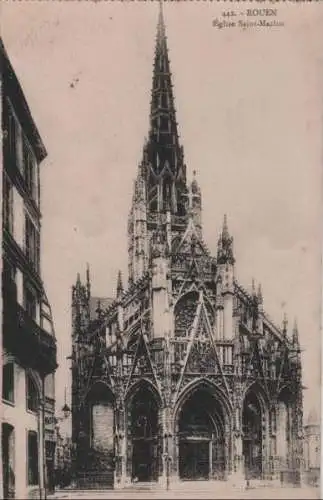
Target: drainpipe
(42, 453)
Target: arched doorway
(252, 435)
(201, 437)
(143, 410)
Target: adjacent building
(28, 358)
(182, 375)
(312, 449)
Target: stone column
(211, 457)
(265, 452)
(121, 479)
(166, 478)
(237, 477)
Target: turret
(196, 204)
(225, 260)
(219, 308)
(119, 301)
(80, 306)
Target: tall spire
(162, 152)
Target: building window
(32, 458)
(8, 382)
(7, 204)
(30, 170)
(9, 279)
(14, 133)
(32, 394)
(32, 242)
(30, 301)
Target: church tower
(181, 375)
(160, 187)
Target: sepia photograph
(161, 249)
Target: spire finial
(253, 286)
(99, 309)
(225, 225)
(225, 245)
(295, 333)
(119, 284)
(285, 324)
(259, 294)
(161, 14)
(88, 281)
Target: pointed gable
(201, 354)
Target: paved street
(193, 490)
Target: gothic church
(181, 376)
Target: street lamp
(66, 410)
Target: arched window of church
(185, 311)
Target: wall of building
(312, 454)
(22, 420)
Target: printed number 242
(228, 13)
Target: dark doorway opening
(201, 437)
(194, 460)
(143, 458)
(252, 441)
(144, 435)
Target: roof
(13, 89)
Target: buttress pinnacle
(119, 285)
(225, 245)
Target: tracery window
(185, 311)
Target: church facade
(181, 376)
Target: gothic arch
(143, 383)
(143, 431)
(201, 421)
(258, 389)
(254, 418)
(203, 383)
(99, 387)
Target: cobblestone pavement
(194, 490)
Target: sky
(249, 107)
